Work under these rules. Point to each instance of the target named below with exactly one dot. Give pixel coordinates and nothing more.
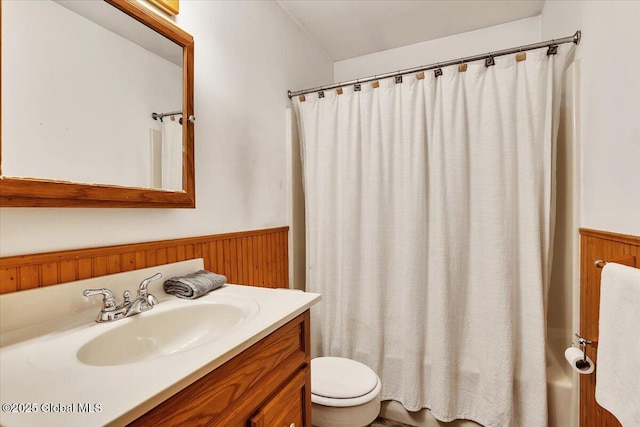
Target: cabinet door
(288, 407)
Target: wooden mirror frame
(31, 192)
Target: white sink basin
(151, 335)
(54, 353)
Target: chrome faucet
(112, 311)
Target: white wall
(247, 54)
(610, 107)
(517, 33)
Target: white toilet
(344, 393)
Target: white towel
(618, 365)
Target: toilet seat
(340, 382)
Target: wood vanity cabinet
(287, 407)
(267, 385)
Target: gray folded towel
(194, 285)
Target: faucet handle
(108, 300)
(143, 290)
(152, 300)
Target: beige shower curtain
(172, 153)
(429, 218)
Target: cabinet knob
(293, 425)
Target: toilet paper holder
(583, 343)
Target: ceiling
(349, 28)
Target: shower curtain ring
(438, 71)
(490, 61)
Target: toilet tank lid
(340, 378)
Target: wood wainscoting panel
(609, 247)
(255, 258)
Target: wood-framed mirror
(19, 189)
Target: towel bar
(629, 260)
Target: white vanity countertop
(39, 371)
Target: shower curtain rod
(571, 39)
(159, 116)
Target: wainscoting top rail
(608, 235)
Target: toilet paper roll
(575, 358)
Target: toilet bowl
(344, 393)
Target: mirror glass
(80, 81)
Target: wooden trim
(608, 235)
(153, 21)
(170, 7)
(255, 257)
(21, 192)
(188, 129)
(610, 247)
(16, 192)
